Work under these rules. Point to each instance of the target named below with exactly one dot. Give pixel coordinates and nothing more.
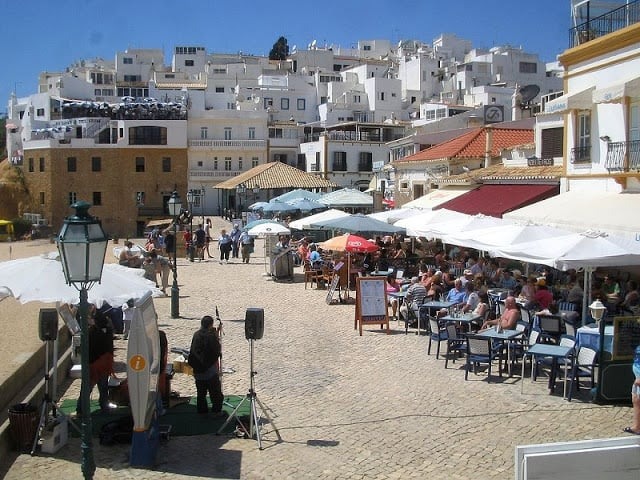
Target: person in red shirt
(543, 296)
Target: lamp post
(191, 196)
(597, 310)
(175, 206)
(82, 244)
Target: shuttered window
(552, 142)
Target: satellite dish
(528, 93)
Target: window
(528, 67)
(252, 133)
(127, 61)
(97, 198)
(275, 132)
(356, 99)
(40, 112)
(254, 162)
(132, 78)
(147, 135)
(31, 165)
(139, 164)
(339, 161)
(204, 133)
(72, 164)
(267, 102)
(366, 48)
(73, 198)
(166, 164)
(284, 104)
(219, 89)
(188, 63)
(199, 163)
(215, 164)
(301, 104)
(227, 163)
(96, 164)
(365, 162)
(41, 198)
(582, 151)
(139, 199)
(41, 162)
(280, 157)
(227, 133)
(381, 96)
(240, 164)
(634, 121)
(552, 142)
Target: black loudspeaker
(48, 323)
(254, 323)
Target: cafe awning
(496, 200)
(437, 197)
(614, 93)
(570, 101)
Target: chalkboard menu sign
(371, 302)
(626, 337)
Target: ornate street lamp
(597, 309)
(175, 207)
(191, 197)
(82, 244)
(241, 190)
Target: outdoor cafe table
(548, 350)
(503, 336)
(430, 306)
(465, 318)
(589, 336)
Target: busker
(204, 354)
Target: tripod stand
(254, 403)
(48, 403)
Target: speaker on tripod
(48, 324)
(254, 323)
(253, 330)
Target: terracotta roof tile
(276, 175)
(473, 145)
(500, 172)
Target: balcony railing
(581, 154)
(623, 156)
(610, 22)
(226, 144)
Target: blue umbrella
(278, 206)
(357, 223)
(250, 225)
(298, 193)
(306, 205)
(257, 205)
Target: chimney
(488, 146)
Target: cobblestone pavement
(347, 407)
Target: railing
(214, 173)
(581, 154)
(610, 22)
(228, 143)
(623, 156)
(150, 211)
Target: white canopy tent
(417, 223)
(468, 222)
(613, 213)
(392, 216)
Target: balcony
(195, 175)
(580, 154)
(623, 156)
(229, 144)
(610, 22)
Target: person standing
(246, 245)
(235, 236)
(204, 355)
(169, 244)
(224, 244)
(200, 240)
(207, 235)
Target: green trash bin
(23, 424)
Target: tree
(280, 50)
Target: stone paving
(347, 407)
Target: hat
(541, 282)
(467, 272)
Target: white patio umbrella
(392, 216)
(270, 228)
(421, 221)
(305, 223)
(41, 279)
(442, 229)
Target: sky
(41, 35)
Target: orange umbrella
(349, 243)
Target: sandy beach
(347, 407)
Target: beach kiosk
(143, 368)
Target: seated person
(436, 289)
(481, 309)
(314, 257)
(392, 285)
(414, 298)
(128, 258)
(507, 281)
(632, 298)
(456, 295)
(472, 299)
(508, 319)
(543, 297)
